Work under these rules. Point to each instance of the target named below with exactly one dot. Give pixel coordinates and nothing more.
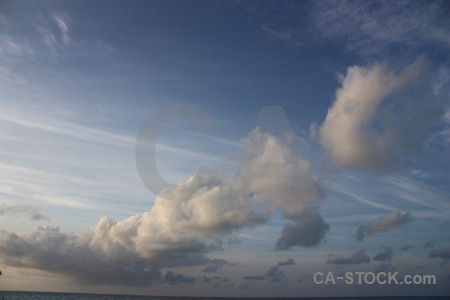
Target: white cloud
(380, 117)
(63, 29)
(384, 223)
(181, 226)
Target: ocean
(10, 295)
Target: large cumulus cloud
(379, 117)
(184, 222)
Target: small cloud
(234, 241)
(213, 265)
(174, 279)
(384, 223)
(63, 29)
(275, 274)
(385, 255)
(406, 247)
(440, 252)
(419, 173)
(429, 244)
(256, 277)
(359, 257)
(25, 209)
(288, 262)
(306, 231)
(216, 281)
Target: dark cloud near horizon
(214, 264)
(359, 257)
(175, 279)
(384, 223)
(275, 274)
(385, 255)
(255, 277)
(288, 262)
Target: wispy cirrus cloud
(371, 27)
(63, 29)
(366, 28)
(55, 32)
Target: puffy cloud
(271, 167)
(385, 255)
(359, 257)
(26, 209)
(185, 222)
(379, 117)
(384, 223)
(48, 249)
(306, 231)
(440, 252)
(275, 274)
(288, 262)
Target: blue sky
(364, 87)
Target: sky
(224, 148)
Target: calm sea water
(71, 296)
